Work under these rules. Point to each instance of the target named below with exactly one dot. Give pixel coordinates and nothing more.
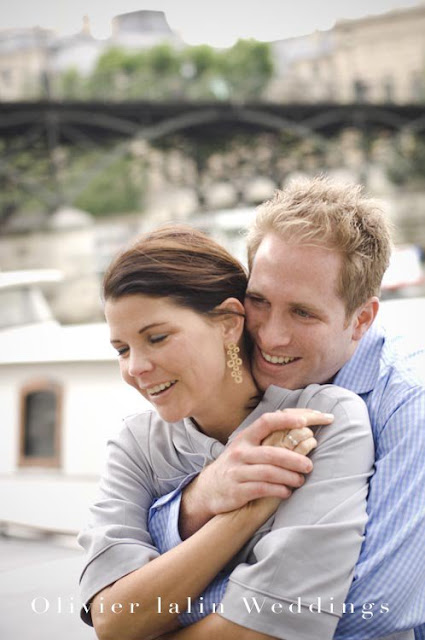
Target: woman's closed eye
(121, 350)
(155, 339)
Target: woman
(173, 303)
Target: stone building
(381, 58)
(30, 59)
(142, 29)
(378, 58)
(23, 63)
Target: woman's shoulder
(351, 417)
(347, 407)
(321, 397)
(332, 395)
(140, 431)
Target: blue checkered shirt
(391, 566)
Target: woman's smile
(159, 389)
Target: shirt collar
(361, 371)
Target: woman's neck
(229, 408)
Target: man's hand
(253, 466)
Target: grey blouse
(300, 561)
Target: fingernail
(329, 415)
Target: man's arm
(311, 550)
(163, 524)
(117, 542)
(247, 471)
(168, 575)
(181, 573)
(391, 568)
(316, 536)
(214, 626)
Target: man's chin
(264, 380)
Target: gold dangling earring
(234, 362)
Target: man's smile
(277, 359)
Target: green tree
(160, 73)
(71, 85)
(104, 81)
(201, 71)
(247, 67)
(164, 70)
(112, 191)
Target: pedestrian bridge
(72, 122)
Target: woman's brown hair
(179, 263)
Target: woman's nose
(139, 364)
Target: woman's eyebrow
(142, 330)
(150, 326)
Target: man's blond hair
(333, 215)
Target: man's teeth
(277, 359)
(160, 387)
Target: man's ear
(364, 316)
(233, 321)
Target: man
(317, 254)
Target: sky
(216, 22)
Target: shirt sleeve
(295, 582)
(164, 531)
(164, 520)
(390, 573)
(117, 540)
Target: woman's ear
(232, 319)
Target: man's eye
(302, 313)
(158, 338)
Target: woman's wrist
(254, 514)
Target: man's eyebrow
(253, 292)
(142, 330)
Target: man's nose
(139, 364)
(274, 333)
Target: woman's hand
(300, 440)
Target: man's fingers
(311, 417)
(266, 473)
(255, 490)
(279, 457)
(283, 420)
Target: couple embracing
(275, 489)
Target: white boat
(61, 397)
